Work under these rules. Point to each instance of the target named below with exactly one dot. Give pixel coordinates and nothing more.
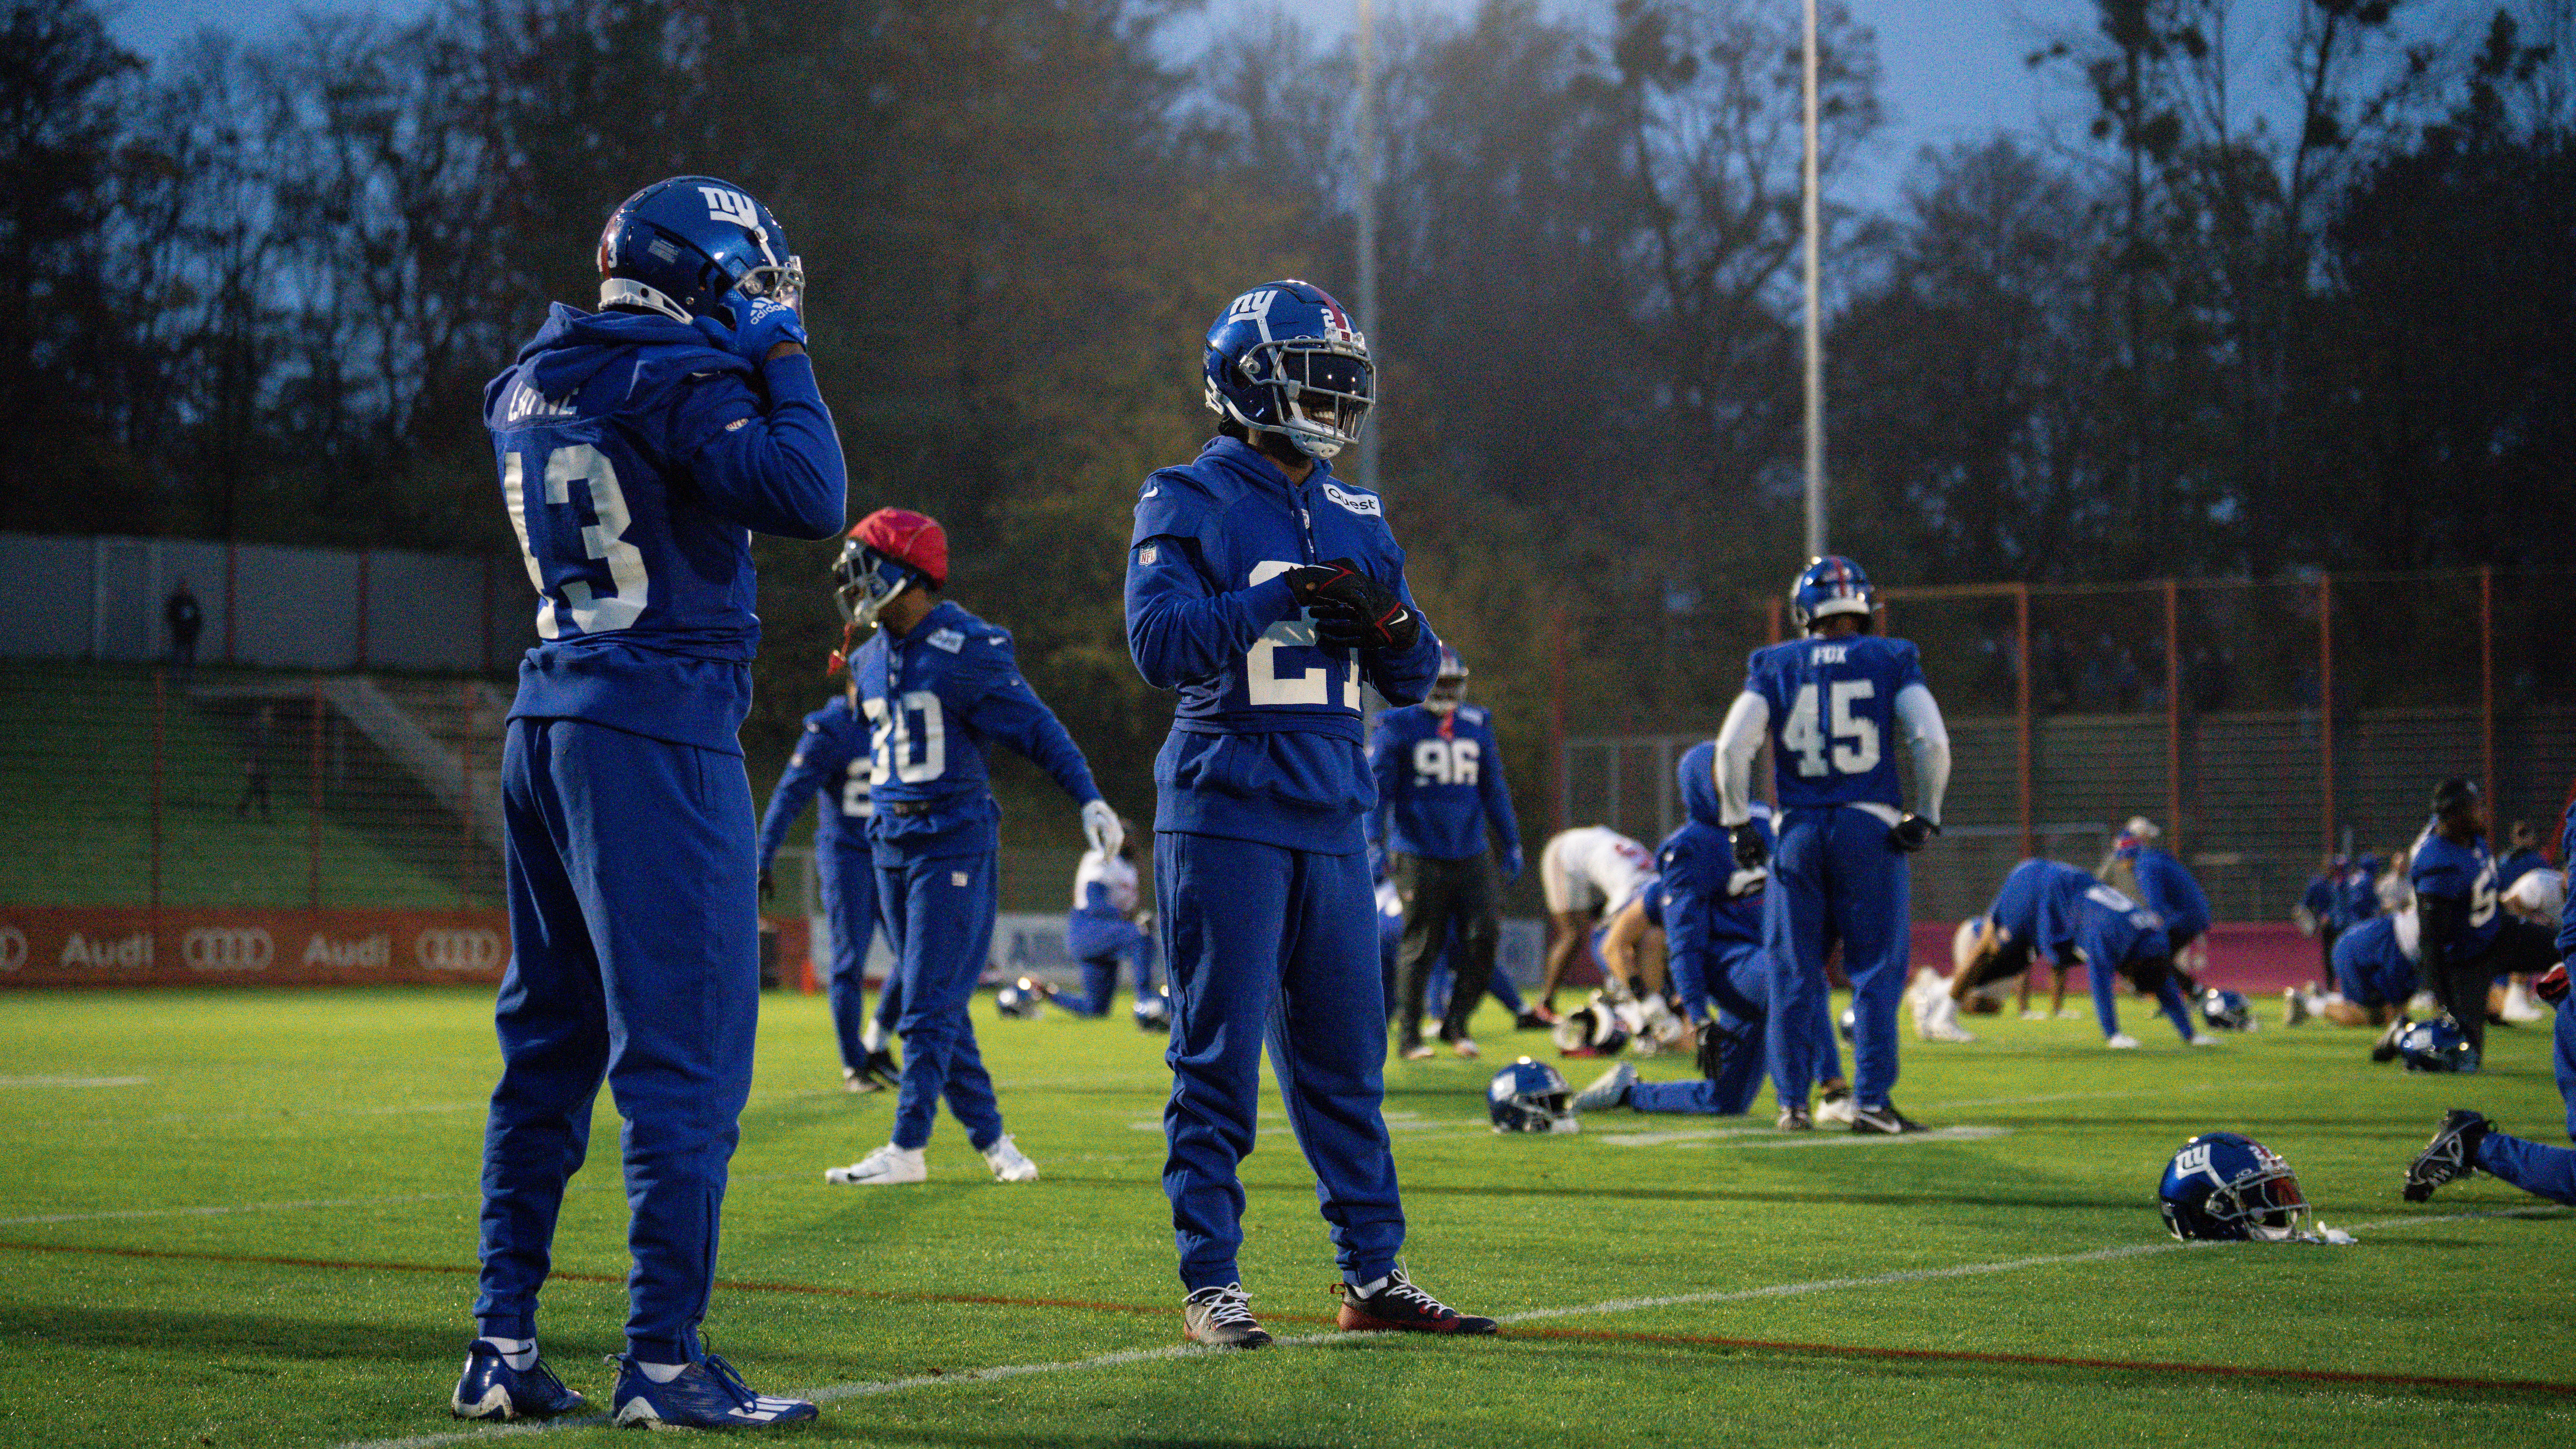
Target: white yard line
(834, 1392)
(1771, 1137)
(228, 1210)
(12, 1082)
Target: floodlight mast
(1369, 320)
(1815, 332)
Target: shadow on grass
(199, 1333)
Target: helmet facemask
(1319, 391)
(864, 581)
(1449, 688)
(2267, 1204)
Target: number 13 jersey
(1833, 717)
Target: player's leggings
(635, 957)
(2168, 998)
(1836, 875)
(848, 881)
(938, 918)
(1268, 943)
(1739, 987)
(2548, 1171)
(1100, 978)
(1449, 906)
(2518, 946)
(1435, 997)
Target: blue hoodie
(1711, 907)
(1265, 745)
(635, 462)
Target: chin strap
(840, 659)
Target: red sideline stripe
(1593, 1335)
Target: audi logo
(227, 948)
(13, 948)
(458, 950)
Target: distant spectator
(2522, 856)
(187, 620)
(263, 734)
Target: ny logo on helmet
(1252, 306)
(2193, 1159)
(732, 206)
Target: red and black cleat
(1399, 1307)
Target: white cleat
(1466, 1049)
(2070, 1014)
(1610, 1089)
(2518, 1007)
(2122, 1042)
(2423, 1004)
(1941, 1022)
(2203, 1039)
(888, 1166)
(1838, 1107)
(2035, 1014)
(1008, 1162)
(2294, 1006)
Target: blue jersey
(2061, 911)
(635, 463)
(2171, 893)
(2464, 877)
(2319, 899)
(832, 757)
(2357, 894)
(1711, 908)
(2370, 967)
(2517, 865)
(1440, 782)
(932, 699)
(2567, 912)
(1833, 717)
(1265, 745)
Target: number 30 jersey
(1266, 742)
(635, 462)
(1833, 717)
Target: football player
(833, 752)
(2467, 937)
(1108, 928)
(1831, 706)
(639, 447)
(938, 687)
(2522, 856)
(2374, 977)
(2164, 886)
(2064, 914)
(1267, 592)
(1583, 873)
(1440, 791)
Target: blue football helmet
(1285, 359)
(1530, 1096)
(2223, 1187)
(1021, 999)
(2437, 1046)
(1830, 585)
(2226, 1010)
(694, 246)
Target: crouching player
(937, 684)
(1105, 930)
(1267, 592)
(639, 447)
(2064, 914)
(2374, 976)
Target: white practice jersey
(1111, 871)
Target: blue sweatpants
(2548, 1171)
(938, 919)
(1100, 976)
(1262, 942)
(848, 879)
(1741, 987)
(1835, 876)
(635, 958)
(2107, 1014)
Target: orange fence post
(2173, 709)
(313, 823)
(2325, 701)
(2021, 634)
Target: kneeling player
(2374, 965)
(1107, 929)
(2064, 914)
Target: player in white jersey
(1584, 872)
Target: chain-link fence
(2264, 725)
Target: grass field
(237, 1219)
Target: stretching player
(2164, 886)
(2064, 914)
(1267, 592)
(834, 751)
(639, 447)
(1107, 929)
(1440, 788)
(2374, 966)
(937, 684)
(1830, 705)
(1584, 873)
(2468, 938)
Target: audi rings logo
(227, 948)
(458, 950)
(13, 948)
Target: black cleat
(2385, 1049)
(491, 1389)
(2450, 1156)
(1399, 1307)
(1537, 1018)
(1884, 1121)
(882, 1069)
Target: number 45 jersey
(1266, 743)
(635, 461)
(1833, 717)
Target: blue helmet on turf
(687, 246)
(2224, 1187)
(2226, 1010)
(1828, 586)
(1021, 999)
(1285, 359)
(1530, 1096)
(2437, 1046)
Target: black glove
(768, 885)
(1713, 1043)
(1750, 852)
(2552, 987)
(1912, 832)
(1352, 610)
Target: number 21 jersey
(1833, 717)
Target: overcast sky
(1952, 69)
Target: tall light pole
(1368, 225)
(1815, 330)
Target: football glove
(1749, 850)
(2551, 987)
(1713, 1042)
(1912, 832)
(768, 885)
(1100, 828)
(1352, 610)
(762, 324)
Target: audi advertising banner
(137, 946)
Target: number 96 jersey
(1833, 716)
